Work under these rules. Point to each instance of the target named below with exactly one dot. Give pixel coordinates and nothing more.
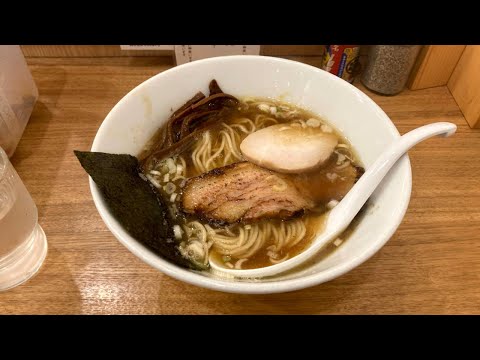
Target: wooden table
(430, 265)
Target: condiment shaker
(389, 67)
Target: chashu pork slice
(243, 192)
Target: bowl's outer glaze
(136, 117)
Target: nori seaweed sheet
(134, 202)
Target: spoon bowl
(344, 212)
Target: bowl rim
(243, 287)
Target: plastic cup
(18, 95)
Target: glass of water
(23, 244)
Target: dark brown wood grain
(431, 264)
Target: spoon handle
(341, 215)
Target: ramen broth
(268, 241)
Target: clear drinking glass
(23, 244)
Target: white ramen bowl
(143, 110)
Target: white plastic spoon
(342, 214)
